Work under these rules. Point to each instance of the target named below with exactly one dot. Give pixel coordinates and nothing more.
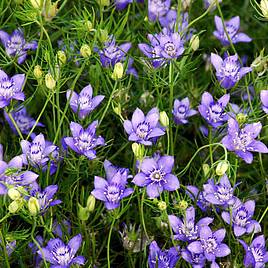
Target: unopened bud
(241, 118)
(118, 109)
(50, 81)
(138, 150)
(104, 3)
(91, 203)
(85, 51)
(162, 205)
(36, 3)
(222, 167)
(89, 26)
(50, 10)
(103, 35)
(118, 71)
(83, 213)
(194, 42)
(61, 56)
(183, 205)
(264, 8)
(14, 194)
(206, 169)
(164, 120)
(15, 205)
(33, 206)
(37, 72)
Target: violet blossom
(256, 254)
(186, 229)
(210, 244)
(15, 44)
(23, 121)
(214, 111)
(156, 175)
(241, 218)
(112, 190)
(232, 28)
(122, 4)
(84, 141)
(229, 70)
(62, 255)
(157, 8)
(243, 141)
(163, 258)
(181, 111)
(144, 129)
(221, 193)
(12, 175)
(37, 260)
(11, 88)
(197, 260)
(83, 103)
(264, 100)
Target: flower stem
(108, 243)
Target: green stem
(108, 243)
(15, 124)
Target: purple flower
(221, 194)
(198, 196)
(83, 103)
(36, 258)
(163, 258)
(229, 70)
(210, 245)
(11, 174)
(45, 198)
(59, 228)
(143, 129)
(122, 4)
(10, 247)
(156, 176)
(112, 190)
(256, 254)
(208, 3)
(23, 121)
(164, 46)
(241, 218)
(112, 53)
(10, 88)
(182, 111)
(61, 255)
(84, 140)
(213, 111)
(196, 260)
(242, 141)
(38, 152)
(187, 230)
(264, 100)
(232, 27)
(16, 45)
(157, 8)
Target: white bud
(222, 167)
(14, 194)
(118, 71)
(33, 206)
(50, 81)
(163, 118)
(85, 51)
(194, 42)
(264, 8)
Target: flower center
(7, 89)
(224, 193)
(258, 252)
(231, 68)
(84, 102)
(215, 113)
(182, 109)
(143, 130)
(36, 152)
(62, 255)
(241, 217)
(84, 142)
(157, 176)
(164, 259)
(242, 140)
(170, 49)
(113, 193)
(16, 42)
(210, 245)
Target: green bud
(162, 205)
(14, 194)
(89, 26)
(206, 169)
(61, 56)
(222, 167)
(83, 213)
(50, 81)
(118, 109)
(138, 150)
(241, 118)
(194, 42)
(36, 3)
(15, 205)
(103, 35)
(91, 203)
(264, 8)
(85, 51)
(164, 120)
(33, 206)
(182, 205)
(118, 71)
(50, 10)
(37, 72)
(104, 3)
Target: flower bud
(83, 213)
(194, 42)
(164, 120)
(103, 35)
(85, 51)
(89, 26)
(50, 81)
(182, 205)
(264, 8)
(222, 167)
(118, 71)
(50, 10)
(61, 56)
(186, 4)
(104, 3)
(36, 3)
(14, 194)
(260, 64)
(15, 205)
(37, 72)
(91, 203)
(241, 118)
(138, 150)
(118, 109)
(206, 169)
(162, 205)
(33, 206)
